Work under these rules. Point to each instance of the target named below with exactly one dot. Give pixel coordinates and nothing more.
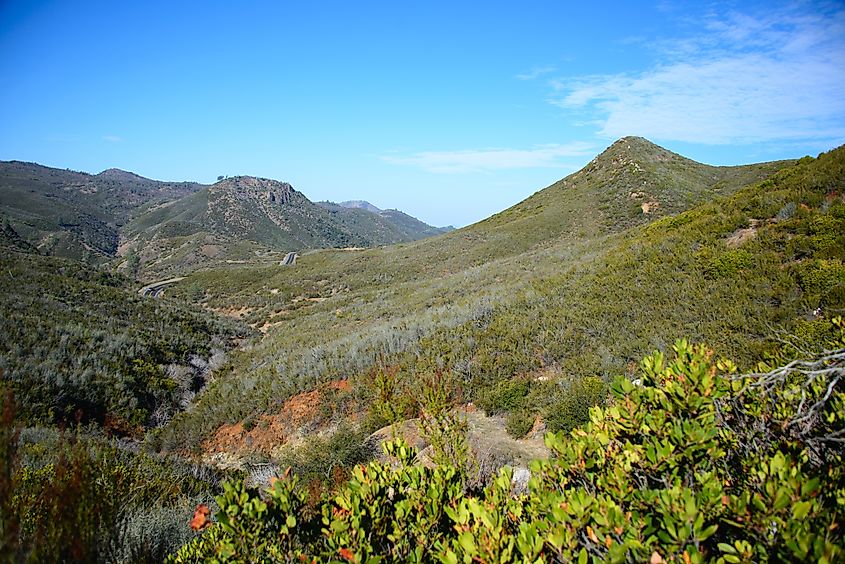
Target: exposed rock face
(248, 187)
(238, 205)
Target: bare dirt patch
(650, 207)
(298, 299)
(268, 325)
(268, 432)
(487, 436)
(742, 236)
(211, 251)
(237, 313)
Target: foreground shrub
(74, 497)
(693, 464)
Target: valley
(258, 341)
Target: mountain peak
(635, 147)
(257, 188)
(118, 174)
(362, 204)
(631, 153)
(247, 182)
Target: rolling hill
(524, 321)
(359, 204)
(75, 214)
(151, 228)
(393, 226)
(574, 282)
(241, 217)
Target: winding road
(155, 289)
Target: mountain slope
(241, 217)
(412, 227)
(76, 214)
(393, 226)
(156, 227)
(527, 315)
(80, 344)
(544, 302)
(632, 182)
(362, 204)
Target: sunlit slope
(75, 214)
(242, 219)
(631, 183)
(603, 199)
(577, 307)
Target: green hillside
(150, 229)
(526, 320)
(75, 214)
(82, 346)
(692, 457)
(243, 218)
(573, 307)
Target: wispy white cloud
(750, 78)
(536, 72)
(487, 160)
(112, 138)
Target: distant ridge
(241, 217)
(362, 204)
(173, 226)
(76, 214)
(404, 227)
(118, 174)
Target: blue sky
(450, 111)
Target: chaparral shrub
(693, 463)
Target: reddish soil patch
(268, 432)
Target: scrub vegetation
(560, 315)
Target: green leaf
(800, 509)
(467, 542)
(725, 547)
(556, 539)
(582, 556)
(708, 532)
(809, 487)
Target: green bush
(505, 396)
(834, 299)
(820, 275)
(694, 464)
(71, 497)
(518, 423)
(573, 407)
(729, 263)
(322, 458)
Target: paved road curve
(155, 289)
